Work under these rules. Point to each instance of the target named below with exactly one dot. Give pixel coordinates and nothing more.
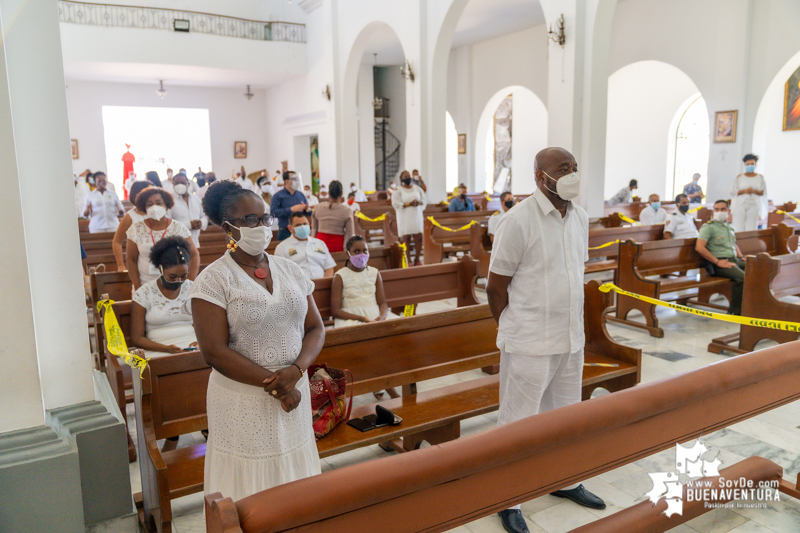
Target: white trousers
(745, 218)
(533, 384)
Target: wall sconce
(249, 94)
(406, 71)
(326, 92)
(558, 36)
(161, 91)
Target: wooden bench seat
(438, 243)
(640, 264)
(766, 280)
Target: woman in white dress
(142, 236)
(749, 194)
(131, 217)
(259, 329)
(408, 201)
(357, 289)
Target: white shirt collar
(546, 205)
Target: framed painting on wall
(791, 102)
(240, 150)
(462, 143)
(74, 144)
(725, 126)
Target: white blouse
(160, 311)
(144, 239)
(105, 210)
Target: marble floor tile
(779, 517)
(751, 527)
(615, 498)
(621, 472)
(493, 524)
(562, 517)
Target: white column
(577, 91)
(40, 129)
(20, 389)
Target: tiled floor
(773, 435)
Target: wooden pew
(438, 243)
(632, 210)
(601, 260)
(773, 219)
(380, 257)
(640, 261)
(767, 279)
(405, 286)
(377, 232)
(486, 473)
(428, 351)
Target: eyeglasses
(251, 221)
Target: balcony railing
(154, 18)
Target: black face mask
(463, 196)
(683, 209)
(509, 203)
(171, 285)
(406, 181)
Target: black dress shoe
(513, 522)
(581, 496)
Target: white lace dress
(359, 295)
(166, 321)
(253, 444)
(141, 235)
(409, 219)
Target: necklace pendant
(260, 273)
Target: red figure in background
(127, 167)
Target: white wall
(778, 150)
(366, 131)
(642, 101)
(232, 118)
(476, 75)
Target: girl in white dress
(749, 193)
(142, 236)
(259, 329)
(408, 201)
(357, 289)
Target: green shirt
(720, 239)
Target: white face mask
(353, 189)
(567, 187)
(156, 212)
(180, 189)
(721, 216)
(307, 193)
(253, 241)
(266, 188)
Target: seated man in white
(309, 253)
(653, 213)
(681, 225)
(506, 203)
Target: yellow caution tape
(369, 192)
(488, 198)
(604, 245)
(410, 308)
(606, 365)
(462, 228)
(695, 210)
(629, 220)
(743, 320)
(445, 202)
(115, 338)
(362, 216)
(788, 215)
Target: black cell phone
(363, 424)
(386, 417)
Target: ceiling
(481, 20)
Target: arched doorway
(510, 139)
(691, 140)
(643, 100)
(778, 149)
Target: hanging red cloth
(127, 167)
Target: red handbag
(328, 397)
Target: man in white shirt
(681, 225)
(167, 184)
(351, 202)
(188, 209)
(625, 194)
(309, 253)
(243, 181)
(103, 206)
(359, 195)
(653, 213)
(535, 291)
(506, 203)
(312, 200)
